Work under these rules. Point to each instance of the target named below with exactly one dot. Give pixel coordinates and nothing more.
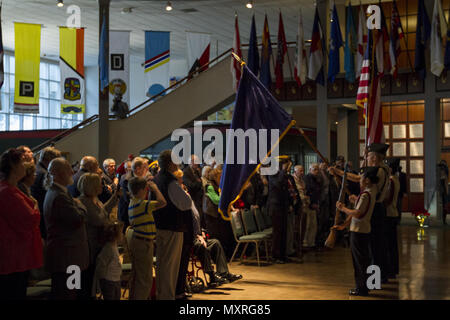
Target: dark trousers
(221, 230)
(184, 262)
(392, 245)
(360, 246)
(279, 227)
(323, 223)
(13, 286)
(59, 288)
(378, 240)
(212, 253)
(400, 206)
(87, 279)
(110, 289)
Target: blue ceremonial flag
(157, 58)
(266, 54)
(423, 32)
(103, 59)
(350, 46)
(253, 53)
(335, 45)
(255, 110)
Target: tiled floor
(424, 273)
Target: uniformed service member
(391, 220)
(375, 158)
(360, 227)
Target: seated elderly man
(67, 242)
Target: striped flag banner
(198, 50)
(364, 80)
(71, 64)
(157, 57)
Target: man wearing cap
(360, 227)
(375, 158)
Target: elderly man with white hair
(109, 179)
(87, 164)
(67, 243)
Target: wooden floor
(424, 273)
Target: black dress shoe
(231, 277)
(358, 292)
(278, 261)
(217, 280)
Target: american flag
(364, 80)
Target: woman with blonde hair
(90, 186)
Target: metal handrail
(64, 133)
(96, 116)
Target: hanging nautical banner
(157, 57)
(27, 53)
(119, 66)
(71, 63)
(198, 45)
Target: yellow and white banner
(28, 57)
(71, 63)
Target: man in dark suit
(278, 205)
(37, 189)
(192, 179)
(87, 164)
(67, 243)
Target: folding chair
(262, 227)
(241, 237)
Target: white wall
(178, 68)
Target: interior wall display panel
(399, 149)
(399, 131)
(416, 149)
(416, 167)
(416, 185)
(399, 113)
(386, 132)
(415, 131)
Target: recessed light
(249, 4)
(60, 3)
(169, 6)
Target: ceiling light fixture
(60, 3)
(249, 4)
(169, 6)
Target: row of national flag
(311, 65)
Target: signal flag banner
(119, 65)
(28, 57)
(157, 57)
(71, 65)
(198, 45)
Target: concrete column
(432, 146)
(103, 99)
(353, 140)
(323, 119)
(342, 133)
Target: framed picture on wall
(416, 131)
(416, 149)
(399, 149)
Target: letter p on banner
(74, 280)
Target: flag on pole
(157, 58)
(102, 58)
(438, 29)
(253, 52)
(335, 44)
(364, 79)
(362, 41)
(256, 110)
(266, 53)
(235, 65)
(396, 36)
(316, 56)
(198, 45)
(422, 35)
(301, 68)
(71, 65)
(383, 58)
(28, 56)
(119, 68)
(374, 112)
(350, 45)
(281, 52)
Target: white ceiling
(213, 16)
